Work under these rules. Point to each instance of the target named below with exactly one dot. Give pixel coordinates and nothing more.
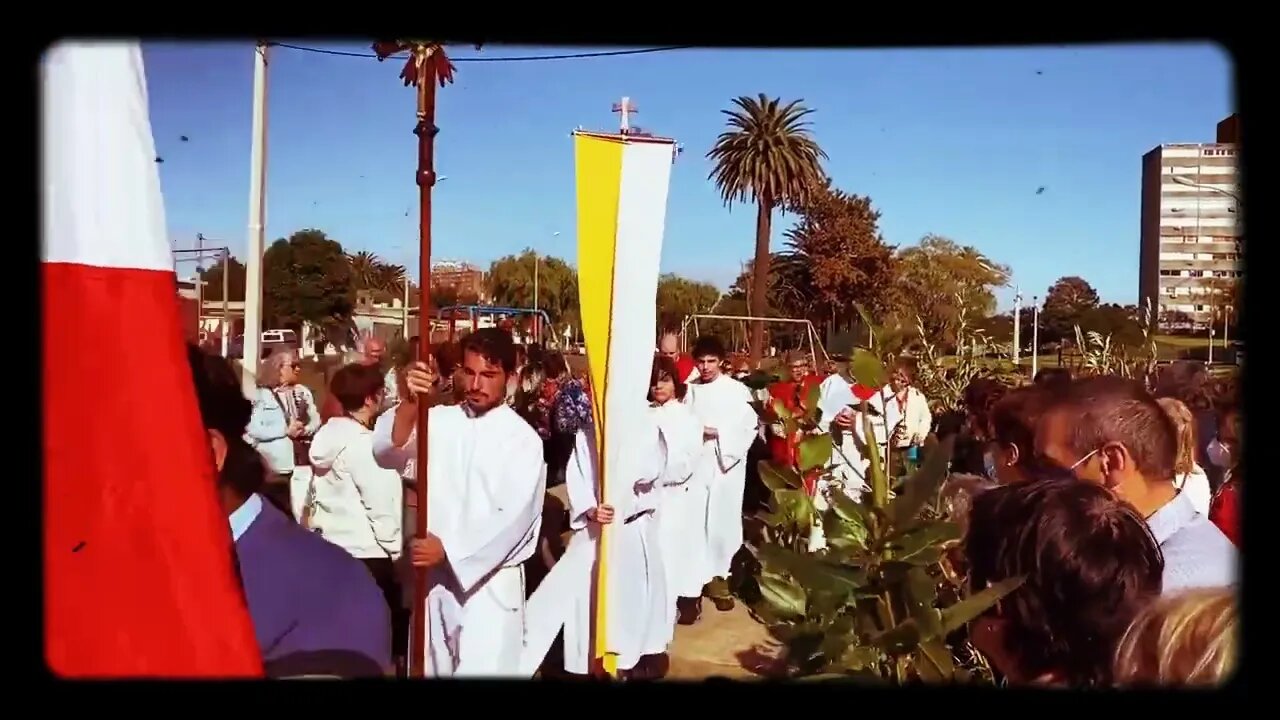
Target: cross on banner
(624, 109)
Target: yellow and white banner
(622, 186)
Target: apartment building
(464, 279)
(1191, 227)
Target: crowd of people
(1119, 508)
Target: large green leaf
(922, 487)
(786, 598)
(812, 572)
(777, 477)
(965, 611)
(843, 534)
(850, 510)
(811, 409)
(933, 661)
(796, 504)
(875, 470)
(814, 452)
(921, 592)
(859, 657)
(780, 409)
(899, 640)
(867, 369)
(933, 534)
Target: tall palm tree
(365, 268)
(768, 156)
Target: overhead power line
(499, 58)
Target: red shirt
(1224, 511)
(685, 366)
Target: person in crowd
(1089, 562)
(571, 410)
(557, 445)
(669, 346)
(638, 618)
(900, 419)
(1189, 381)
(354, 503)
(316, 610)
(373, 351)
(791, 392)
(682, 514)
(1054, 378)
(729, 427)
(390, 384)
(283, 421)
(1111, 431)
(972, 435)
(487, 488)
(1012, 428)
(1191, 639)
(1225, 509)
(1187, 475)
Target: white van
(285, 337)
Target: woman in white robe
(682, 516)
(637, 615)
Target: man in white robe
(729, 427)
(637, 597)
(486, 485)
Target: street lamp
(1035, 335)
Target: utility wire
(509, 58)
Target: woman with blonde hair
(284, 418)
(1188, 639)
(1188, 476)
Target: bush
(881, 601)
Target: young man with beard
(316, 610)
(486, 487)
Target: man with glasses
(1110, 431)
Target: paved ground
(722, 644)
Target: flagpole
(426, 131)
(257, 219)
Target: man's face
(1055, 445)
(373, 352)
(799, 368)
(484, 384)
(709, 367)
(899, 380)
(669, 347)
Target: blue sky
(954, 142)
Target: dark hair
(1107, 408)
(494, 345)
(448, 358)
(354, 384)
(554, 365)
(1187, 381)
(665, 367)
(223, 407)
(1054, 377)
(1090, 564)
(1013, 419)
(979, 397)
(708, 345)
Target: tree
(511, 283)
(308, 279)
(680, 297)
(212, 278)
(835, 260)
(767, 156)
(1065, 304)
(1115, 321)
(938, 277)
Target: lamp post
(1035, 335)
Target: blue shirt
(244, 516)
(1196, 553)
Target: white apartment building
(1191, 231)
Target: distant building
(463, 279)
(1189, 255)
(1229, 130)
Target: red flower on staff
(862, 392)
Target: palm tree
(768, 156)
(365, 268)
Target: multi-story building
(464, 279)
(1189, 260)
(1229, 130)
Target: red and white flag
(138, 557)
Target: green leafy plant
(881, 600)
(1099, 356)
(943, 379)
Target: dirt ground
(728, 645)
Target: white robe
(723, 404)
(487, 482)
(637, 594)
(682, 516)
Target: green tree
(511, 283)
(680, 297)
(308, 279)
(940, 280)
(1065, 304)
(767, 156)
(212, 278)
